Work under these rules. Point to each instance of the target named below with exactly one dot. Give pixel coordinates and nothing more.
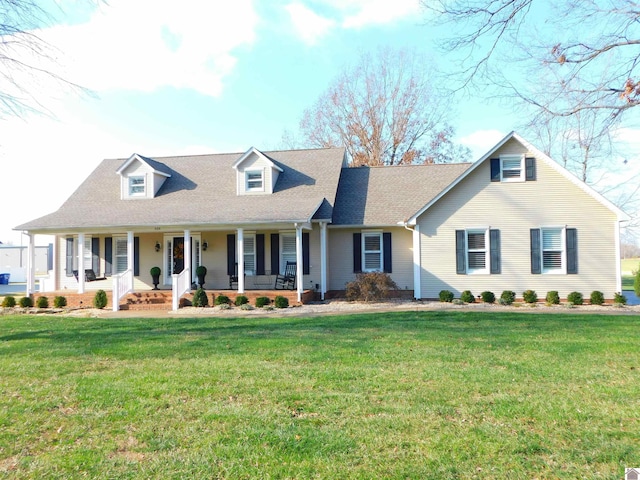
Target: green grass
(629, 265)
(392, 395)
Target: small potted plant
(155, 275)
(201, 272)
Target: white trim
(487, 249)
(130, 185)
(616, 227)
(520, 158)
(323, 259)
(140, 159)
(80, 265)
(299, 260)
(261, 188)
(417, 281)
(248, 153)
(371, 233)
(240, 258)
(563, 254)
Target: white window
(287, 249)
(512, 168)
(87, 256)
(249, 254)
(120, 254)
(372, 252)
(137, 186)
(477, 251)
(254, 180)
(553, 250)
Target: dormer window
(254, 180)
(137, 186)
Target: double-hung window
(512, 168)
(477, 251)
(554, 250)
(254, 180)
(249, 254)
(120, 254)
(87, 254)
(372, 260)
(137, 187)
(287, 249)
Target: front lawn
(390, 395)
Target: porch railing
(180, 284)
(122, 285)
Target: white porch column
(299, 270)
(187, 257)
(323, 259)
(31, 271)
(130, 253)
(240, 250)
(417, 284)
(81, 263)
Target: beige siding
(515, 208)
(340, 243)
(254, 162)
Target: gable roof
(251, 151)
(155, 166)
(202, 191)
(385, 196)
(538, 154)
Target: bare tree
(590, 50)
(385, 111)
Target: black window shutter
(108, 255)
(275, 253)
(69, 257)
(461, 256)
(530, 168)
(305, 253)
(494, 246)
(386, 251)
(95, 255)
(231, 254)
(536, 260)
(495, 169)
(572, 251)
(136, 256)
(357, 253)
(260, 254)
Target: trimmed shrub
(222, 300)
(26, 302)
(246, 306)
(59, 301)
(9, 301)
(507, 297)
(42, 302)
(457, 301)
(281, 302)
(575, 298)
(262, 301)
(370, 287)
(530, 296)
(596, 298)
(619, 299)
(467, 297)
(241, 300)
(200, 298)
(488, 297)
(553, 298)
(446, 296)
(100, 299)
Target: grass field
(404, 395)
(629, 265)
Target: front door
(178, 255)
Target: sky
(204, 77)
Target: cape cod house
(512, 220)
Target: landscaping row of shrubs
(201, 299)
(508, 297)
(27, 302)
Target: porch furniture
(89, 275)
(287, 280)
(233, 279)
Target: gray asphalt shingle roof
(378, 196)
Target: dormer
(141, 177)
(256, 174)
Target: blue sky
(204, 77)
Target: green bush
(9, 302)
(241, 300)
(262, 301)
(42, 302)
(200, 298)
(59, 301)
(575, 298)
(530, 296)
(488, 297)
(467, 297)
(26, 302)
(553, 298)
(281, 302)
(507, 297)
(636, 282)
(155, 271)
(446, 296)
(370, 287)
(619, 299)
(222, 300)
(100, 299)
(596, 298)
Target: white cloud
(363, 13)
(309, 26)
(481, 141)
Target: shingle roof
(379, 196)
(202, 190)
